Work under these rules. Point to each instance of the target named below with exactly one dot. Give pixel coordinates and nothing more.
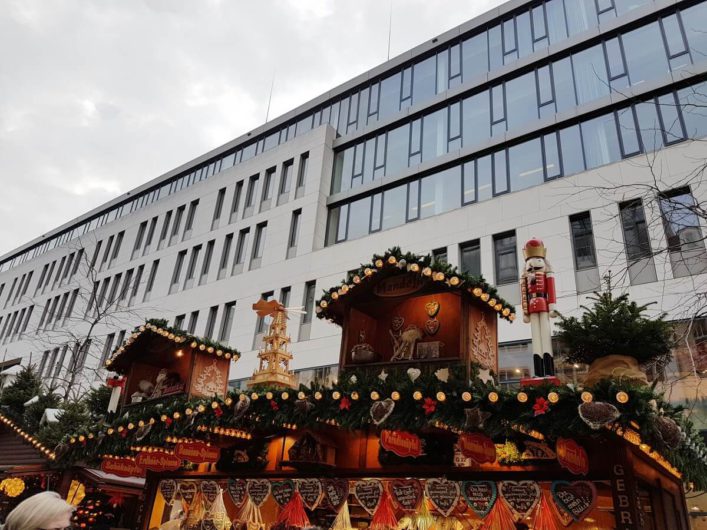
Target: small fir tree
(616, 326)
(26, 385)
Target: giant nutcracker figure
(537, 288)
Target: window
(267, 189)
(646, 54)
(27, 317)
(151, 280)
(262, 322)
(41, 279)
(470, 257)
(79, 257)
(506, 259)
(635, 230)
(250, 196)
(601, 143)
(179, 321)
(294, 233)
(211, 322)
(302, 174)
(440, 255)
(236, 202)
(193, 318)
(440, 192)
(583, 241)
(285, 296)
(175, 226)
(107, 349)
(174, 284)
(191, 267)
(138, 239)
(70, 307)
(104, 260)
(239, 257)
(220, 196)
(258, 245)
(229, 311)
(225, 253)
(116, 248)
(150, 236)
(136, 285)
(54, 284)
(308, 301)
(206, 265)
(683, 233)
(165, 229)
(590, 75)
(525, 165)
(189, 225)
(285, 182)
(113, 294)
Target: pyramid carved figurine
(274, 368)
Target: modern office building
(547, 118)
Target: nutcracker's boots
(549, 365)
(538, 365)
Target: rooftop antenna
(390, 27)
(272, 85)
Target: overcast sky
(97, 97)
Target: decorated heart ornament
(241, 407)
(282, 491)
(575, 498)
(406, 493)
(336, 492)
(381, 410)
(521, 496)
(209, 489)
(187, 491)
(397, 323)
(480, 495)
(368, 493)
(311, 491)
(432, 308)
(443, 494)
(168, 488)
(237, 490)
(258, 491)
(432, 326)
(414, 373)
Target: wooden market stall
(414, 432)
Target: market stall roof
(435, 277)
(108, 481)
(19, 449)
(155, 339)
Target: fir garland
(394, 260)
(426, 403)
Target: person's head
(44, 511)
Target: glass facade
(569, 150)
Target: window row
(646, 53)
(640, 128)
(63, 366)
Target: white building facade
(545, 118)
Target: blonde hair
(38, 511)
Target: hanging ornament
(242, 406)
(311, 491)
(353, 379)
(442, 374)
(336, 492)
(444, 494)
(381, 410)
(384, 516)
(217, 516)
(251, 516)
(383, 375)
(541, 406)
(168, 488)
(668, 430)
(209, 490)
(293, 513)
(429, 405)
(544, 516)
(577, 499)
(480, 495)
(343, 518)
(499, 518)
(237, 491)
(521, 496)
(424, 519)
(143, 431)
(368, 493)
(345, 403)
(485, 376)
(414, 373)
(475, 418)
(304, 406)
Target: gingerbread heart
(282, 491)
(480, 495)
(432, 308)
(168, 488)
(258, 491)
(368, 494)
(431, 326)
(397, 323)
(311, 491)
(336, 492)
(237, 491)
(576, 498)
(443, 494)
(209, 489)
(187, 491)
(521, 496)
(381, 410)
(406, 493)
